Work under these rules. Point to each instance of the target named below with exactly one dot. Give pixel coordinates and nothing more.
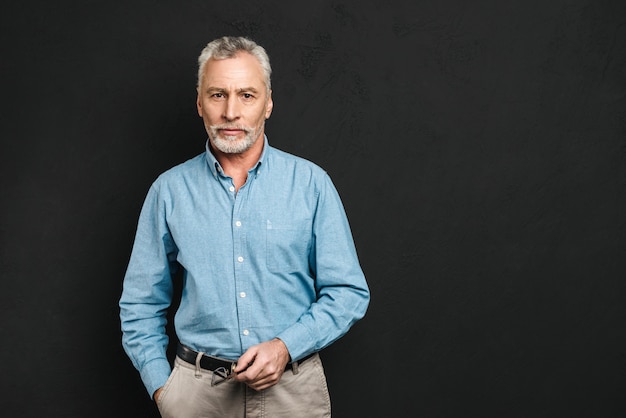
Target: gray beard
(230, 144)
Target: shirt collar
(216, 168)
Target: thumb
(245, 360)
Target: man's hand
(157, 393)
(262, 365)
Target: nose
(231, 109)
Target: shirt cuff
(154, 374)
(298, 341)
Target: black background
(479, 148)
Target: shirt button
(246, 332)
(238, 223)
(242, 294)
(240, 259)
(231, 188)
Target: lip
(231, 132)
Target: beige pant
(189, 393)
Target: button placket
(242, 267)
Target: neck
(238, 165)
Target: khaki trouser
(301, 393)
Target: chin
(231, 145)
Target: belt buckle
(223, 374)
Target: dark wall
(479, 147)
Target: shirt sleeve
(147, 293)
(342, 292)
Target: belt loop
(198, 358)
(294, 367)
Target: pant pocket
(161, 403)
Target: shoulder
(280, 160)
(183, 172)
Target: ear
(269, 106)
(198, 102)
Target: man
(270, 271)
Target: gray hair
(228, 47)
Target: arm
(147, 294)
(342, 292)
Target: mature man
(270, 271)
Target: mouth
(231, 131)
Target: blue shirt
(275, 259)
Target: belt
(213, 363)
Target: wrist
(283, 347)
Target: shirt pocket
(287, 246)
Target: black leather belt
(213, 363)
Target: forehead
(243, 70)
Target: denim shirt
(274, 259)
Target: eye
(247, 96)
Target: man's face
(234, 102)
